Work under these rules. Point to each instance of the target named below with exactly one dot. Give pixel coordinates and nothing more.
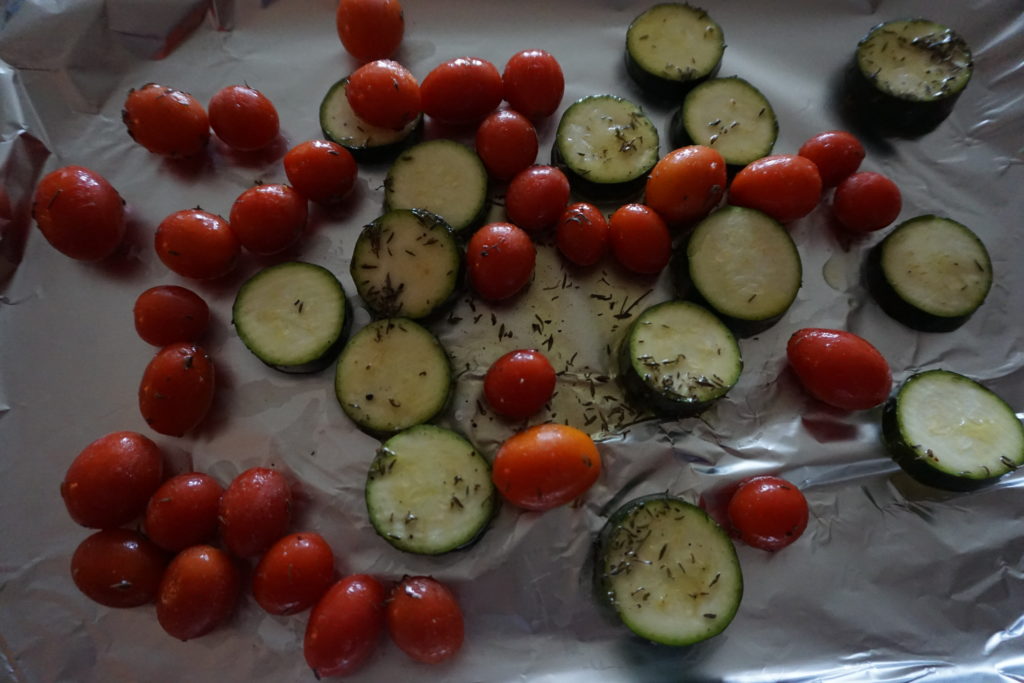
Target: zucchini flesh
(342, 125)
(729, 115)
(915, 60)
(671, 47)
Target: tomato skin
(293, 574)
(640, 239)
(866, 202)
(370, 29)
(518, 384)
(424, 620)
(321, 171)
(839, 368)
(267, 219)
(118, 568)
(255, 511)
(768, 513)
(196, 244)
(183, 511)
(836, 153)
(384, 93)
(345, 626)
(536, 197)
(686, 184)
(533, 83)
(507, 143)
(582, 234)
(461, 91)
(500, 258)
(79, 213)
(784, 186)
(166, 121)
(177, 388)
(198, 593)
(127, 463)
(168, 313)
(546, 466)
(243, 118)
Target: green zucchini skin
(338, 124)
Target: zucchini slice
(930, 273)
(293, 316)
(669, 571)
(366, 141)
(429, 491)
(406, 264)
(950, 432)
(441, 176)
(393, 374)
(678, 358)
(606, 146)
(672, 47)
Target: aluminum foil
(892, 581)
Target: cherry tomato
(198, 593)
(370, 29)
(243, 118)
(197, 244)
(294, 574)
(384, 93)
(768, 513)
(582, 234)
(79, 213)
(321, 171)
(640, 239)
(686, 184)
(345, 626)
(110, 481)
(839, 368)
(784, 186)
(507, 143)
(425, 620)
(168, 313)
(546, 466)
(836, 153)
(177, 389)
(255, 511)
(166, 121)
(536, 197)
(183, 511)
(461, 91)
(519, 383)
(118, 568)
(866, 202)
(533, 84)
(268, 219)
(499, 260)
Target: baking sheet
(891, 581)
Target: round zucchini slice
(672, 47)
(366, 141)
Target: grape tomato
(183, 511)
(533, 83)
(500, 259)
(370, 29)
(866, 201)
(79, 213)
(255, 511)
(536, 197)
(518, 384)
(384, 93)
(461, 91)
(177, 389)
(768, 513)
(582, 234)
(839, 368)
(424, 619)
(293, 574)
(784, 186)
(345, 626)
(166, 121)
(118, 568)
(267, 219)
(640, 239)
(168, 313)
(198, 592)
(506, 142)
(196, 244)
(243, 118)
(546, 466)
(320, 170)
(836, 153)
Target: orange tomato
(686, 184)
(546, 466)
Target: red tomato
(461, 91)
(243, 118)
(177, 389)
(79, 213)
(268, 219)
(784, 186)
(536, 197)
(582, 234)
(345, 626)
(255, 511)
(118, 568)
(197, 244)
(166, 121)
(321, 171)
(866, 202)
(499, 260)
(507, 143)
(519, 383)
(198, 592)
(370, 29)
(110, 481)
(533, 83)
(768, 513)
(384, 93)
(640, 239)
(836, 153)
(294, 574)
(546, 466)
(839, 368)
(425, 620)
(168, 313)
(183, 511)
(686, 184)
